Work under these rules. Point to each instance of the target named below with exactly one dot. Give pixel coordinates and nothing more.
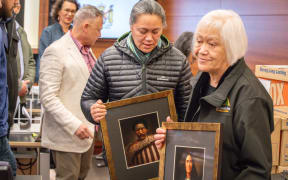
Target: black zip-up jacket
(12, 74)
(245, 108)
(118, 75)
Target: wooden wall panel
(257, 7)
(101, 45)
(43, 19)
(243, 7)
(267, 40)
(267, 37)
(189, 7)
(43, 15)
(180, 24)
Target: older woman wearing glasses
(62, 12)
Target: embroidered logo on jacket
(225, 106)
(162, 78)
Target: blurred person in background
(62, 12)
(184, 44)
(26, 67)
(8, 79)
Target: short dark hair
(139, 121)
(57, 6)
(184, 43)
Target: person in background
(8, 65)
(65, 67)
(26, 65)
(184, 44)
(11, 54)
(141, 62)
(226, 91)
(62, 12)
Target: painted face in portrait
(188, 164)
(210, 51)
(146, 32)
(67, 12)
(141, 131)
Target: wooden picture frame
(122, 143)
(199, 144)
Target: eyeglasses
(69, 11)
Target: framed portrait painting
(192, 151)
(128, 132)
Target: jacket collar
(75, 53)
(11, 30)
(121, 44)
(57, 27)
(227, 81)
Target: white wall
(31, 21)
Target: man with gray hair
(64, 70)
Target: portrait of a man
(189, 163)
(138, 139)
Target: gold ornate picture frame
(191, 150)
(128, 130)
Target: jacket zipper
(196, 114)
(144, 89)
(198, 109)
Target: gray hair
(231, 29)
(86, 12)
(184, 43)
(147, 7)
